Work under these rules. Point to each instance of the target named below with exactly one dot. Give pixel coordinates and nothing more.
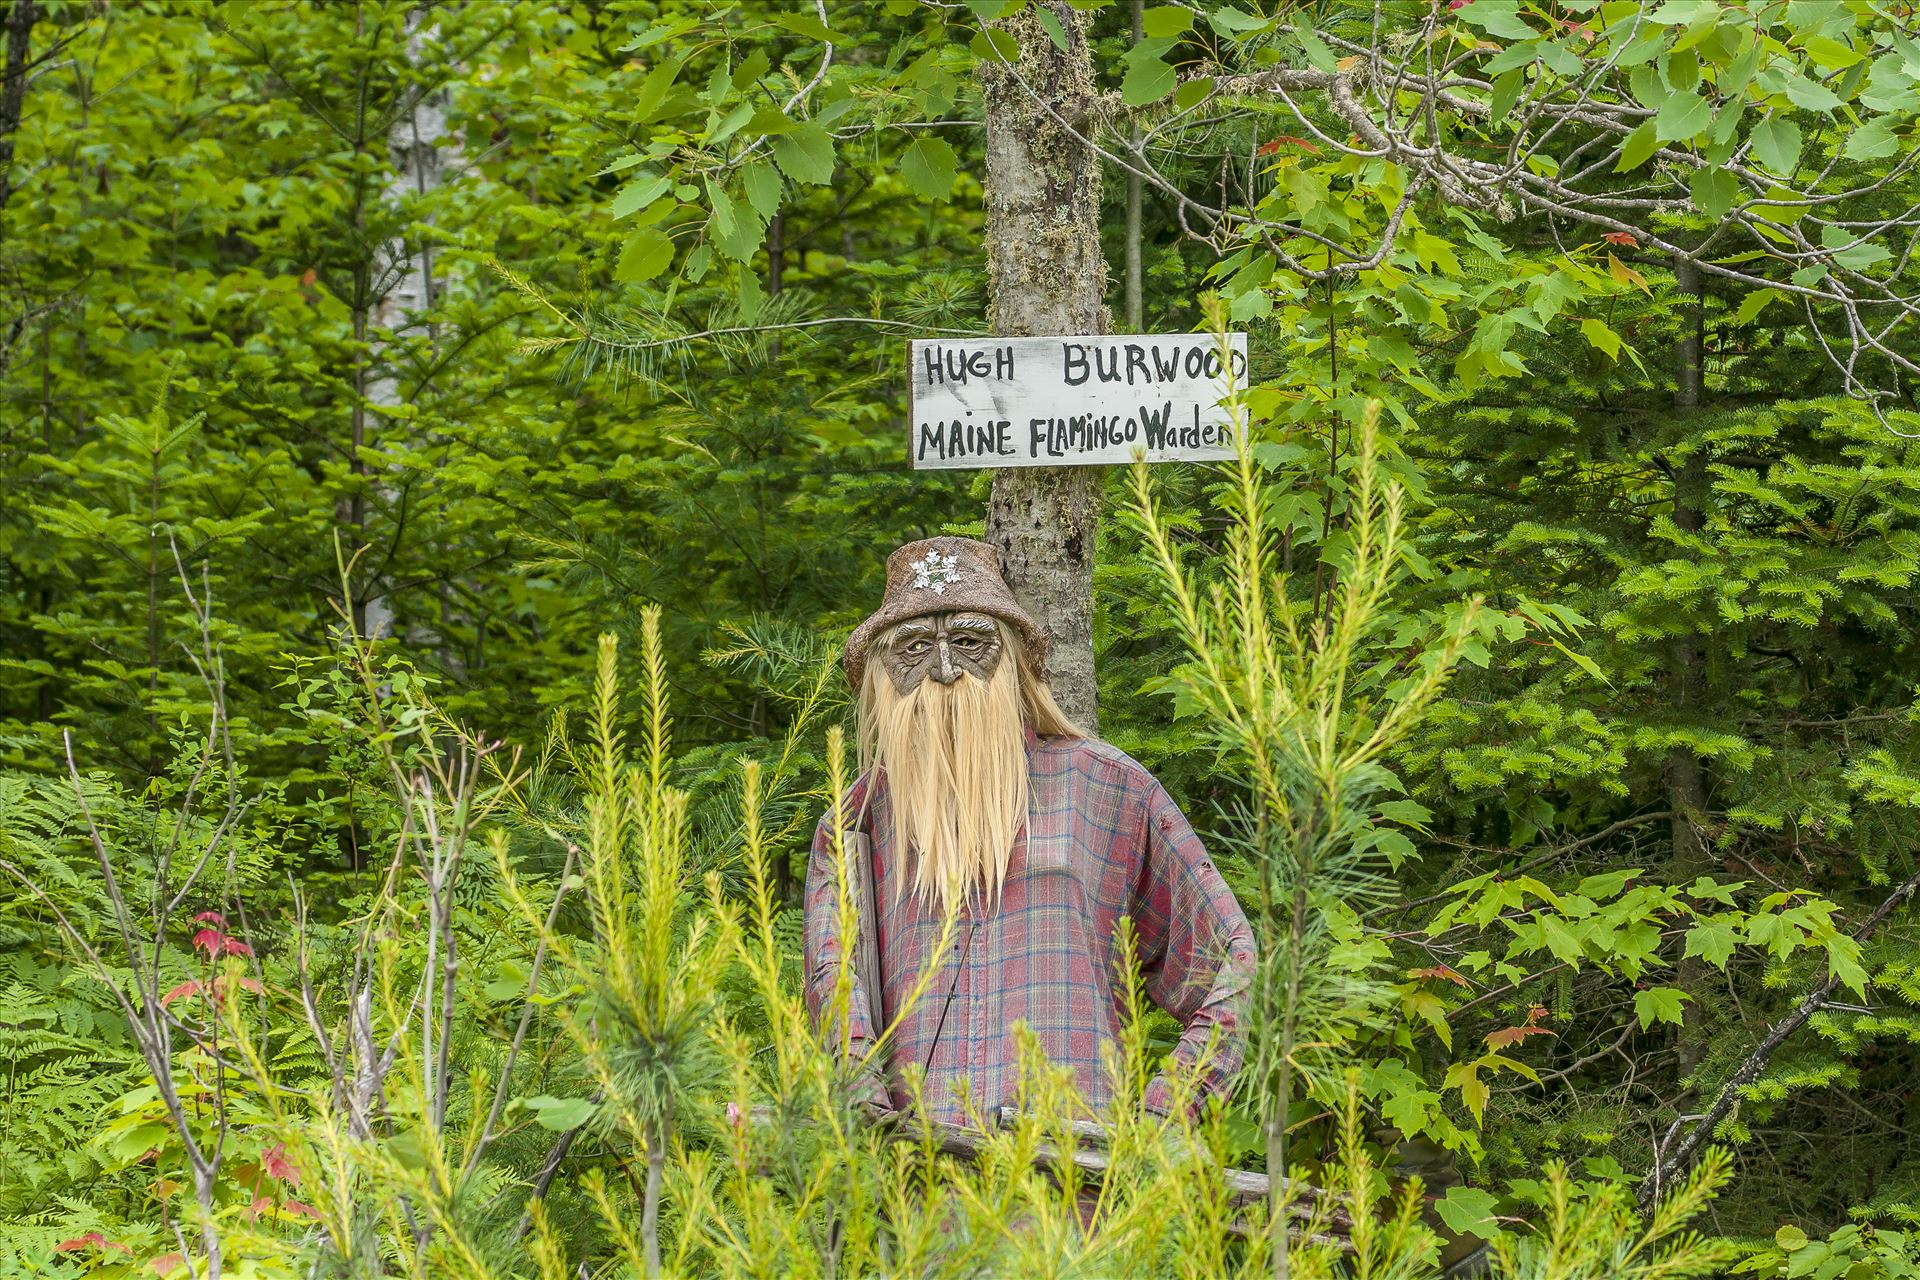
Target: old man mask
(948, 676)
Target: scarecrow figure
(979, 798)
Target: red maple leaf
(209, 917)
(216, 943)
(167, 1262)
(191, 987)
(1507, 1036)
(1272, 145)
(1440, 971)
(274, 1163)
(1621, 238)
(265, 1204)
(91, 1240)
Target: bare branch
(1670, 1164)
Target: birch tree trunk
(417, 161)
(1047, 276)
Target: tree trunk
(650, 1200)
(1685, 778)
(1279, 1238)
(204, 1191)
(1047, 276)
(785, 885)
(13, 92)
(1685, 775)
(1132, 301)
(413, 149)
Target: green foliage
(1599, 1234)
(66, 1060)
(673, 248)
(223, 372)
(1853, 1251)
(1292, 694)
(338, 1096)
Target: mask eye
(914, 648)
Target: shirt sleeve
(826, 954)
(1196, 951)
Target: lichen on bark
(1046, 275)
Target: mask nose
(944, 671)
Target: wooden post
(1047, 276)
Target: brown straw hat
(942, 575)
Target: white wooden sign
(1062, 402)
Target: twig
(526, 1018)
(548, 1169)
(1244, 1186)
(1668, 1165)
(613, 344)
(1545, 855)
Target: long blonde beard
(955, 757)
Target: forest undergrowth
(401, 404)
(556, 1027)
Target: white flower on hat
(934, 571)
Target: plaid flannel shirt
(1103, 840)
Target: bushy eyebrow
(919, 629)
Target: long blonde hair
(955, 758)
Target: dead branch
(1669, 1164)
